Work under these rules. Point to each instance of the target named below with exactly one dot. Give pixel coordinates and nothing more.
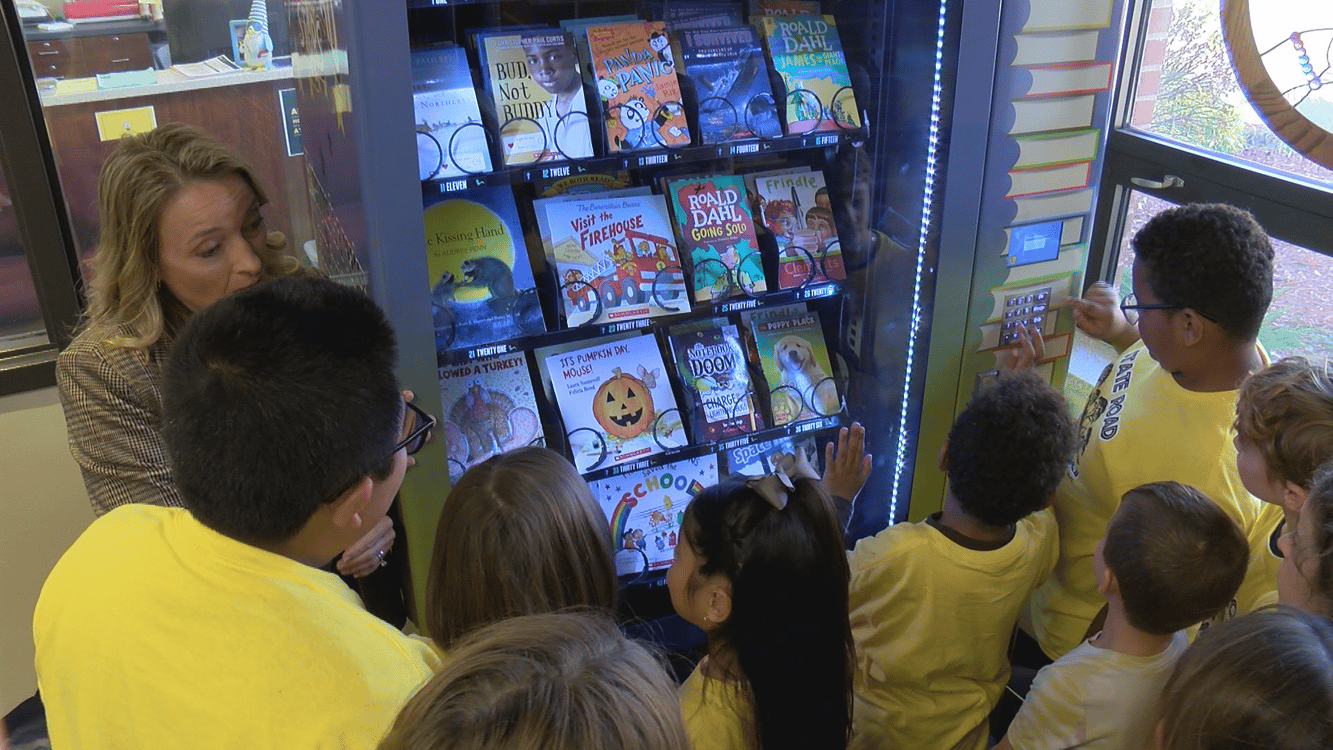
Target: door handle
(1168, 181)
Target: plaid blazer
(113, 412)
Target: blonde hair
(569, 681)
(1286, 411)
(137, 180)
(520, 534)
(1260, 680)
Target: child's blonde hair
(520, 534)
(1286, 411)
(1263, 680)
(569, 681)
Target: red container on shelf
(100, 10)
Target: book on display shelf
(795, 206)
(535, 83)
(717, 237)
(711, 360)
(796, 367)
(634, 70)
(644, 510)
(489, 408)
(451, 139)
(807, 55)
(758, 459)
(727, 67)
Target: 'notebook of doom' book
(710, 360)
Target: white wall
(43, 508)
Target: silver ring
(380, 555)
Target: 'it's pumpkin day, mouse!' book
(616, 402)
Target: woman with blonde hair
(520, 534)
(181, 227)
(564, 681)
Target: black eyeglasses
(1131, 302)
(416, 437)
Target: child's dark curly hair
(1010, 448)
(1212, 258)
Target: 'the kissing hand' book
(451, 140)
(710, 360)
(616, 402)
(635, 72)
(645, 508)
(615, 257)
(807, 54)
(717, 232)
(481, 285)
(795, 206)
(489, 408)
(796, 365)
(730, 76)
(534, 79)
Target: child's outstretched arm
(846, 467)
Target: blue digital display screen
(1034, 243)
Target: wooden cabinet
(79, 57)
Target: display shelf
(671, 455)
(639, 159)
(565, 335)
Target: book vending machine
(666, 239)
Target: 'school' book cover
(730, 77)
(635, 73)
(616, 402)
(489, 408)
(796, 365)
(534, 79)
(710, 360)
(717, 232)
(481, 285)
(451, 140)
(796, 208)
(807, 54)
(615, 258)
(645, 509)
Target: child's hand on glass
(847, 465)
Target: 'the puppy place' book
(807, 54)
(635, 73)
(717, 232)
(451, 140)
(710, 359)
(796, 365)
(489, 408)
(615, 257)
(645, 510)
(616, 402)
(534, 80)
(481, 286)
(795, 206)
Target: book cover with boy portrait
(615, 257)
(717, 231)
(796, 365)
(807, 54)
(481, 285)
(634, 71)
(534, 80)
(730, 76)
(796, 208)
(489, 408)
(616, 402)
(644, 510)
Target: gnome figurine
(257, 45)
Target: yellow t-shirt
(716, 715)
(932, 621)
(153, 631)
(1139, 426)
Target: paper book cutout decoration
(481, 285)
(710, 361)
(1048, 179)
(807, 54)
(1052, 113)
(730, 76)
(451, 140)
(635, 77)
(644, 511)
(758, 459)
(489, 408)
(535, 83)
(796, 366)
(717, 235)
(616, 402)
(1052, 205)
(1052, 149)
(796, 208)
(615, 258)
(1054, 47)
(1062, 79)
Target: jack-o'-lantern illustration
(623, 406)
